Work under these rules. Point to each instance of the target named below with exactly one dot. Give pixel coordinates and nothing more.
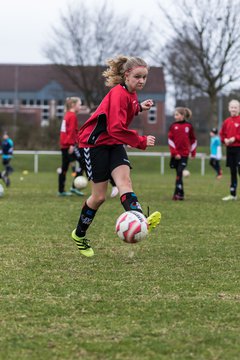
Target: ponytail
(118, 66)
(186, 112)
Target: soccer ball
(186, 173)
(132, 226)
(80, 182)
(1, 190)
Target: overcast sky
(26, 24)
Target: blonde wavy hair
(118, 66)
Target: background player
(182, 142)
(68, 141)
(7, 154)
(215, 152)
(230, 136)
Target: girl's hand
(146, 104)
(151, 140)
(177, 157)
(226, 141)
(71, 149)
(231, 140)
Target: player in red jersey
(102, 139)
(68, 141)
(182, 142)
(230, 136)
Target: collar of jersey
(181, 122)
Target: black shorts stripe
(88, 165)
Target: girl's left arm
(193, 142)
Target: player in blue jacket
(215, 152)
(7, 154)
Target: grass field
(173, 296)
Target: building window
(152, 115)
(38, 102)
(45, 102)
(24, 102)
(31, 102)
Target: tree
(86, 37)
(202, 53)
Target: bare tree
(202, 52)
(86, 37)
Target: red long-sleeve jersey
(231, 128)
(181, 139)
(69, 130)
(108, 125)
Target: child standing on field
(182, 142)
(102, 139)
(7, 154)
(230, 136)
(215, 152)
(68, 144)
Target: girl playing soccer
(182, 142)
(102, 139)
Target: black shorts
(100, 161)
(176, 163)
(233, 156)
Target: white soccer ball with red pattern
(132, 226)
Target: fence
(162, 155)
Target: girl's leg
(179, 181)
(175, 190)
(232, 164)
(218, 169)
(88, 212)
(233, 186)
(212, 163)
(8, 167)
(178, 192)
(121, 176)
(64, 169)
(91, 206)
